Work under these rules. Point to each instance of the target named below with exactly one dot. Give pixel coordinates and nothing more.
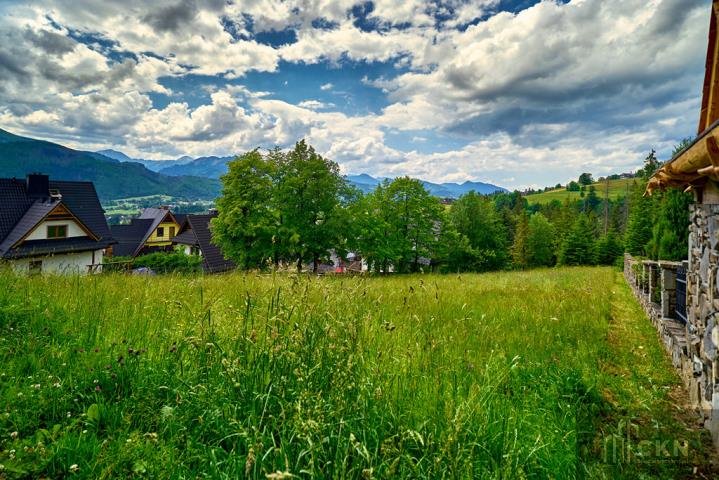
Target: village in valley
(281, 240)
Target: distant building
(152, 231)
(52, 226)
(195, 236)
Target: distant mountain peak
(115, 155)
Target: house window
(172, 232)
(35, 267)
(57, 231)
(160, 231)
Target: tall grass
(472, 376)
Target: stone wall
(702, 310)
(691, 345)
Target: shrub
(175, 262)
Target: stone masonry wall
(703, 310)
(680, 343)
(693, 345)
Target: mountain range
(112, 178)
(116, 175)
(215, 167)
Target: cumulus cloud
(534, 96)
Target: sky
(519, 93)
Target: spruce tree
(578, 247)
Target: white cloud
(535, 96)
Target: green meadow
(541, 374)
(617, 189)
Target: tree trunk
(315, 264)
(299, 265)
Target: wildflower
(14, 435)
(19, 394)
(56, 385)
(74, 468)
(2, 467)
(97, 388)
(11, 454)
(69, 415)
(36, 386)
(94, 381)
(151, 436)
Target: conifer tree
(578, 247)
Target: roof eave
(698, 161)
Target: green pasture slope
(535, 374)
(617, 189)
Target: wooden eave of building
(699, 161)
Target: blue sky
(518, 93)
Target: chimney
(37, 185)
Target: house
(696, 169)
(52, 226)
(152, 231)
(195, 236)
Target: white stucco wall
(40, 232)
(64, 264)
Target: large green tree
(247, 218)
(308, 197)
(475, 217)
(640, 223)
(669, 239)
(414, 223)
(540, 241)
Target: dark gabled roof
(19, 214)
(187, 237)
(33, 215)
(180, 218)
(198, 226)
(130, 238)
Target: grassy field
(617, 189)
(544, 374)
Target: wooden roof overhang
(699, 161)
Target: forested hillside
(112, 179)
(293, 208)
